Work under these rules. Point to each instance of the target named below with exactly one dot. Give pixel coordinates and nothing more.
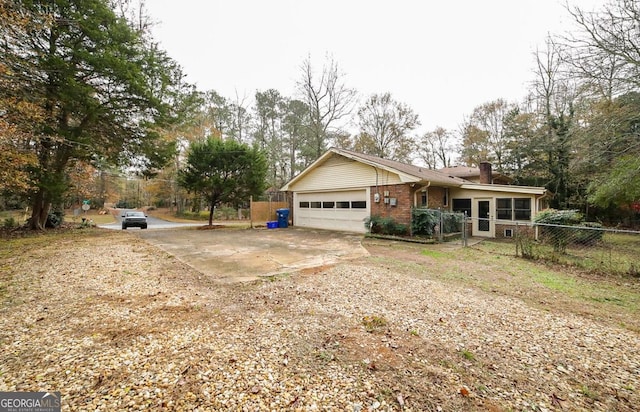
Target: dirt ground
(114, 322)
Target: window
(424, 198)
(445, 196)
(522, 208)
(514, 209)
(316, 205)
(328, 205)
(361, 204)
(342, 205)
(462, 206)
(304, 205)
(504, 209)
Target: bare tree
(556, 95)
(483, 134)
(607, 46)
(329, 101)
(385, 125)
(435, 148)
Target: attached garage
(335, 210)
(335, 192)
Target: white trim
(475, 224)
(530, 190)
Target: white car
(134, 219)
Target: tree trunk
(41, 206)
(212, 208)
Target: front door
(483, 224)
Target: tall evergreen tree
(101, 87)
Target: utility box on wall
(393, 201)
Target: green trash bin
(283, 217)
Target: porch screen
(462, 206)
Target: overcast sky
(442, 58)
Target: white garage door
(345, 210)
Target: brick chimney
(485, 173)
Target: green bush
(424, 221)
(9, 223)
(452, 222)
(561, 236)
(559, 217)
(385, 226)
(54, 218)
(588, 236)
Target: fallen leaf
(464, 391)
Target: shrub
(452, 222)
(560, 236)
(385, 226)
(424, 221)
(588, 236)
(559, 217)
(54, 218)
(525, 241)
(9, 223)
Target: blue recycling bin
(283, 217)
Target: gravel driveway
(114, 323)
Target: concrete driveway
(232, 255)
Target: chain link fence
(587, 247)
(438, 225)
(598, 249)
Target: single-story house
(342, 188)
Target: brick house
(343, 188)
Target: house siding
(340, 172)
(403, 194)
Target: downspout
(538, 199)
(376, 195)
(415, 203)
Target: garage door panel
(332, 216)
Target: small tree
(223, 172)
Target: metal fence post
(516, 238)
(441, 236)
(464, 230)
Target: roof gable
(407, 173)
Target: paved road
(152, 223)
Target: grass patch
(555, 280)
(373, 323)
(492, 267)
(468, 355)
(433, 253)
